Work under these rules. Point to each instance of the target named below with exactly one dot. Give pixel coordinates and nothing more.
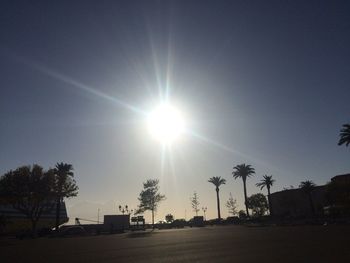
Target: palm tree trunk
(58, 211)
(245, 197)
(218, 203)
(269, 199)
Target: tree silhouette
(29, 189)
(345, 135)
(65, 186)
(195, 203)
(169, 218)
(307, 187)
(217, 181)
(150, 197)
(267, 182)
(258, 204)
(243, 171)
(231, 205)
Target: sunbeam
(227, 149)
(88, 89)
(73, 83)
(156, 69)
(162, 160)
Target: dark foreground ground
(209, 244)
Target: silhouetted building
(17, 221)
(296, 203)
(342, 178)
(114, 223)
(339, 196)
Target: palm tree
(217, 181)
(64, 173)
(243, 171)
(267, 182)
(345, 135)
(307, 187)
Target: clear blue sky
(264, 82)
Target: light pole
(98, 215)
(204, 210)
(124, 209)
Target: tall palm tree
(243, 171)
(217, 181)
(267, 182)
(64, 172)
(307, 187)
(345, 135)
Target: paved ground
(209, 244)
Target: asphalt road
(209, 244)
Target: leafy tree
(243, 171)
(231, 205)
(267, 182)
(169, 218)
(307, 187)
(64, 186)
(195, 203)
(345, 135)
(258, 204)
(217, 181)
(150, 197)
(29, 189)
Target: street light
(124, 209)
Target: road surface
(208, 244)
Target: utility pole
(98, 215)
(204, 210)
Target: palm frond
(217, 181)
(267, 182)
(243, 171)
(345, 135)
(307, 186)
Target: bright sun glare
(165, 123)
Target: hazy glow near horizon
(166, 123)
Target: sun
(166, 123)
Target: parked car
(178, 223)
(162, 225)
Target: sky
(264, 83)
